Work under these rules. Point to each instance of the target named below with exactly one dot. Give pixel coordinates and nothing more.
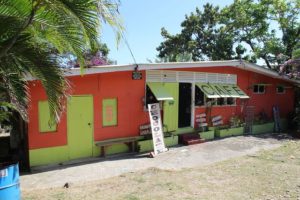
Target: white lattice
(222, 78)
(212, 78)
(189, 77)
(169, 76)
(231, 79)
(185, 77)
(200, 78)
(154, 76)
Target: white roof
(240, 64)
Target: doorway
(185, 96)
(80, 126)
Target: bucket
(9, 182)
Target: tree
(291, 67)
(34, 34)
(246, 29)
(202, 36)
(268, 27)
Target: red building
(110, 102)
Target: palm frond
(52, 27)
(41, 63)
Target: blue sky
(143, 20)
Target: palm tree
(35, 33)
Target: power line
(112, 15)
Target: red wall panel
(130, 95)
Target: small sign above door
(136, 75)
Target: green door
(170, 108)
(80, 126)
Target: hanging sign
(136, 75)
(156, 128)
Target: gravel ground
(176, 158)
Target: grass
(266, 175)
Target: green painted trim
(207, 135)
(51, 155)
(147, 145)
(117, 148)
(229, 132)
(170, 108)
(160, 92)
(110, 150)
(183, 131)
(110, 112)
(45, 122)
(263, 128)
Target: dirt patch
(268, 174)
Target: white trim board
(164, 76)
(240, 64)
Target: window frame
(204, 98)
(283, 92)
(258, 89)
(215, 104)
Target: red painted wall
(130, 95)
(262, 102)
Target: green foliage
(202, 36)
(246, 29)
(33, 35)
(296, 54)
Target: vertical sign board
(156, 128)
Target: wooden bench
(129, 141)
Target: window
(45, 123)
(150, 97)
(110, 112)
(202, 100)
(199, 97)
(231, 101)
(280, 89)
(259, 89)
(221, 101)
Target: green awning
(222, 90)
(160, 92)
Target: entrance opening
(185, 95)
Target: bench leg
(131, 146)
(103, 153)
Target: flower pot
(263, 128)
(208, 135)
(229, 132)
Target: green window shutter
(110, 112)
(45, 123)
(221, 90)
(160, 92)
